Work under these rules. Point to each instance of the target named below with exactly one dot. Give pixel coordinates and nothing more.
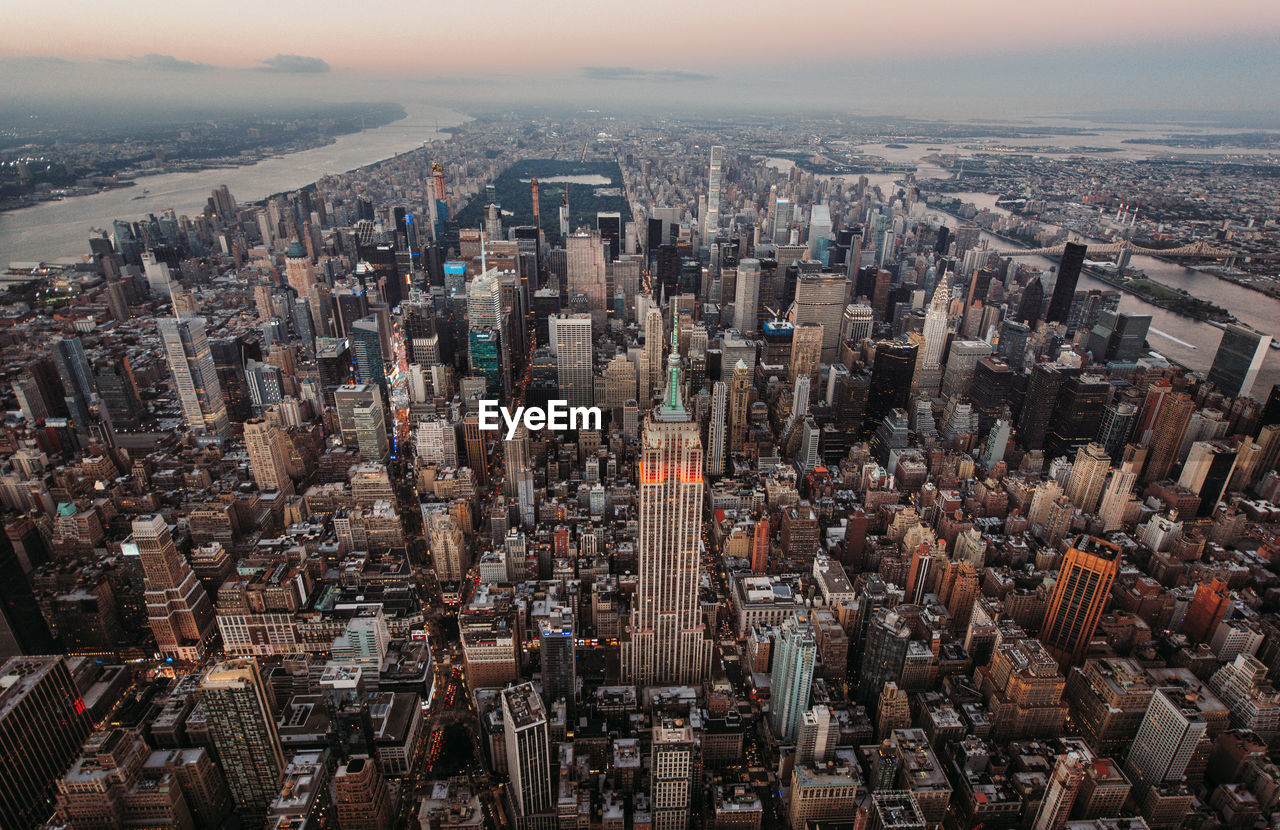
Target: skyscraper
(266, 456)
(77, 380)
(528, 746)
(891, 375)
(178, 609)
(821, 298)
(366, 347)
(43, 723)
(194, 375)
(739, 404)
(1239, 359)
(1166, 435)
(671, 773)
(806, 352)
(585, 273)
(571, 342)
(1088, 477)
(884, 653)
(362, 801)
(1064, 784)
(1167, 739)
(795, 651)
(518, 469)
(1064, 289)
(746, 296)
(667, 642)
(653, 343)
(711, 222)
(935, 340)
(555, 638)
(1079, 597)
(242, 728)
(1077, 414)
(716, 428)
(1207, 472)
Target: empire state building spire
(672, 408)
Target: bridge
(1196, 250)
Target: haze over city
(667, 416)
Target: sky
(984, 58)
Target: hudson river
(59, 230)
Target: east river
(60, 230)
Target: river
(1251, 307)
(53, 231)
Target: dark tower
(1064, 290)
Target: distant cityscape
(937, 484)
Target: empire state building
(667, 643)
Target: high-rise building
(556, 645)
(794, 655)
(585, 273)
(371, 431)
(43, 723)
(1118, 337)
(1043, 386)
(194, 375)
(448, 546)
(1060, 797)
(823, 791)
(1064, 288)
(816, 739)
(653, 343)
(746, 296)
(366, 348)
(739, 405)
(571, 342)
(528, 749)
(361, 799)
(1013, 343)
(76, 375)
(884, 654)
(1207, 472)
(242, 728)
(1116, 428)
(962, 366)
(821, 299)
(1167, 738)
(1088, 477)
(857, 322)
(671, 774)
(1166, 435)
(113, 785)
(711, 222)
(1079, 597)
(1076, 416)
(1116, 498)
(936, 325)
(347, 399)
(667, 642)
(518, 467)
(266, 456)
(716, 428)
(891, 375)
(1239, 359)
(806, 352)
(178, 609)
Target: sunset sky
(989, 57)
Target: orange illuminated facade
(1079, 597)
